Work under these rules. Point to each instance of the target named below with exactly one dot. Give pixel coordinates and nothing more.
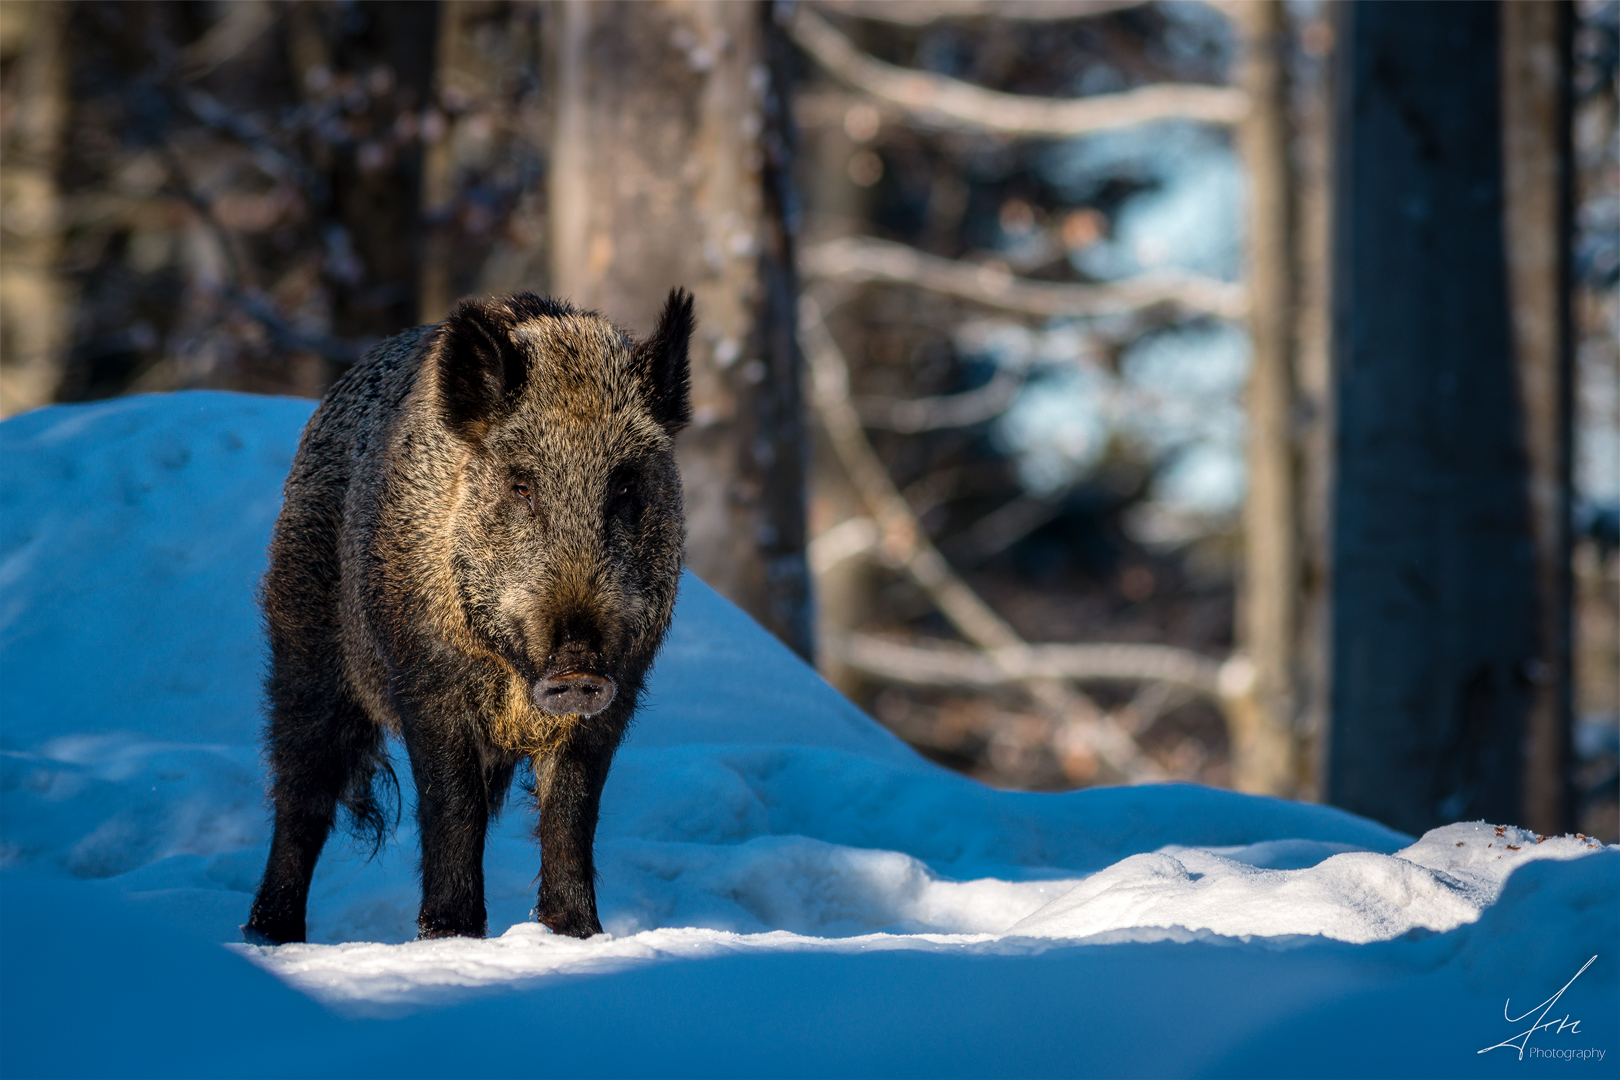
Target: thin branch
(1000, 529)
(860, 259)
(923, 12)
(241, 24)
(178, 181)
(947, 665)
(167, 76)
(1152, 701)
(904, 542)
(212, 113)
(950, 102)
(906, 546)
(245, 296)
(846, 540)
(912, 415)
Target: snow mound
(759, 826)
(1442, 881)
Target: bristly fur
(662, 360)
(476, 508)
(482, 371)
(370, 820)
(526, 305)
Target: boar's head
(567, 537)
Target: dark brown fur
(477, 510)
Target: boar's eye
(524, 494)
(622, 501)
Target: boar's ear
(662, 362)
(481, 370)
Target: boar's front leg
(452, 808)
(569, 785)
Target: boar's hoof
(574, 693)
(429, 927)
(571, 923)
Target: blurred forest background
(1017, 388)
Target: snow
(787, 889)
(1356, 896)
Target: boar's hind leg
(452, 807)
(569, 784)
(323, 750)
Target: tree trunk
(1435, 591)
(845, 590)
(1311, 68)
(670, 167)
(33, 308)
(1536, 64)
(1263, 742)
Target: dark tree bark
(1435, 587)
(670, 167)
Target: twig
(211, 112)
(245, 296)
(912, 415)
(168, 76)
(241, 24)
(907, 547)
(849, 538)
(857, 259)
(1000, 529)
(950, 102)
(902, 537)
(1171, 674)
(923, 12)
(947, 665)
(1150, 702)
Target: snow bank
(763, 846)
(1442, 881)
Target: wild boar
(479, 550)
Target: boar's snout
(574, 692)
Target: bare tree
(1441, 602)
(880, 528)
(1263, 742)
